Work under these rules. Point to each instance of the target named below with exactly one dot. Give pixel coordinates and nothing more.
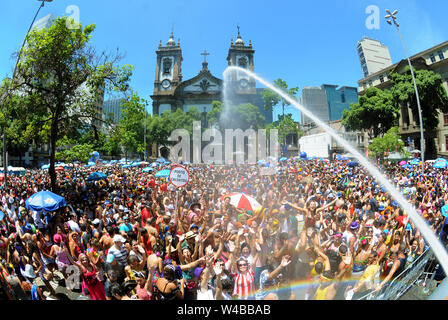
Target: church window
(167, 66)
(242, 62)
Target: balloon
(164, 187)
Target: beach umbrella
(163, 173)
(59, 169)
(242, 201)
(402, 163)
(148, 169)
(161, 160)
(45, 200)
(45, 166)
(95, 176)
(440, 164)
(303, 155)
(283, 159)
(154, 164)
(352, 164)
(415, 162)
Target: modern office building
(434, 59)
(327, 102)
(373, 55)
(112, 110)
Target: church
(171, 92)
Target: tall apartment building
(373, 55)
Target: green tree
(390, 142)
(131, 126)
(375, 113)
(285, 126)
(242, 117)
(433, 99)
(271, 99)
(62, 78)
(79, 152)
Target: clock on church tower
(242, 56)
(168, 75)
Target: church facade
(172, 92)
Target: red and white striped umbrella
(242, 201)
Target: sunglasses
(242, 265)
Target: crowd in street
(133, 235)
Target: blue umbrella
(444, 210)
(283, 159)
(45, 166)
(163, 173)
(148, 169)
(45, 200)
(94, 176)
(2, 215)
(415, 162)
(154, 164)
(161, 160)
(352, 164)
(440, 164)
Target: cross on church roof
(205, 54)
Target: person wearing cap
(126, 227)
(119, 250)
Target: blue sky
(306, 43)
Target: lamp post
(11, 85)
(392, 18)
(144, 137)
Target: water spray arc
(436, 246)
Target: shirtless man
(106, 240)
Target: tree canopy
(375, 113)
(62, 79)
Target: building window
(382, 79)
(446, 143)
(370, 83)
(441, 55)
(445, 119)
(433, 58)
(167, 66)
(343, 97)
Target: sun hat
(189, 235)
(28, 272)
(354, 225)
(96, 221)
(57, 238)
(119, 238)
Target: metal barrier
(423, 265)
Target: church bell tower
(168, 75)
(242, 56)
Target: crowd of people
(136, 236)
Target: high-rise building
(327, 102)
(44, 23)
(314, 99)
(112, 110)
(373, 55)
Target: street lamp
(11, 84)
(392, 18)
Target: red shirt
(147, 244)
(145, 216)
